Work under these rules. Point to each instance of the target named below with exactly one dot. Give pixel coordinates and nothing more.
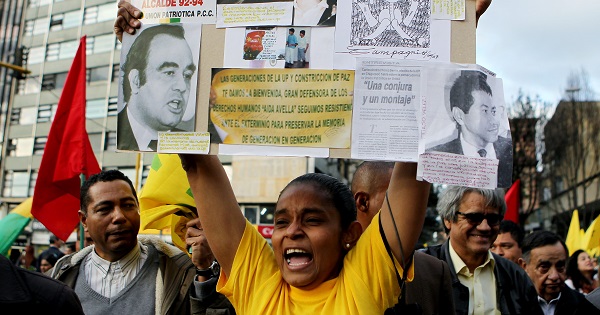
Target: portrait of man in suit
(478, 122)
(157, 76)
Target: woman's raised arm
(408, 200)
(218, 210)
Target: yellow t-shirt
(366, 284)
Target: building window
(64, 50)
(110, 144)
(145, 172)
(113, 106)
(100, 13)
(46, 113)
(23, 116)
(116, 73)
(38, 3)
(251, 213)
(35, 55)
(32, 181)
(36, 27)
(39, 145)
(99, 44)
(95, 108)
(53, 81)
(97, 74)
(29, 85)
(16, 184)
(20, 147)
(267, 214)
(65, 20)
(29, 28)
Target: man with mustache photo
(157, 75)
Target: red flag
(67, 155)
(513, 200)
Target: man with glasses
(544, 259)
(482, 282)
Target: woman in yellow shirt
(318, 264)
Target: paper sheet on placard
(452, 138)
(387, 94)
(272, 41)
(254, 14)
(178, 11)
(459, 170)
(364, 29)
(183, 142)
(448, 9)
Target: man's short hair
(370, 174)
(104, 176)
(451, 198)
(137, 57)
(540, 239)
(53, 239)
(468, 82)
(292, 30)
(516, 232)
(302, 32)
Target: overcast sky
(535, 44)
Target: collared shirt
(471, 150)
(481, 283)
(143, 134)
(548, 307)
(310, 16)
(109, 278)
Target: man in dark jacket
(544, 260)
(121, 273)
(28, 292)
(482, 282)
(431, 287)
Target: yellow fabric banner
(299, 107)
(166, 199)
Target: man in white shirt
(302, 48)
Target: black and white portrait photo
(159, 69)
(478, 121)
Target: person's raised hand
(480, 8)
(127, 19)
(202, 255)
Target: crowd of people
(334, 250)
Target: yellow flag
(166, 199)
(592, 235)
(574, 236)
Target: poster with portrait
(157, 84)
(465, 133)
